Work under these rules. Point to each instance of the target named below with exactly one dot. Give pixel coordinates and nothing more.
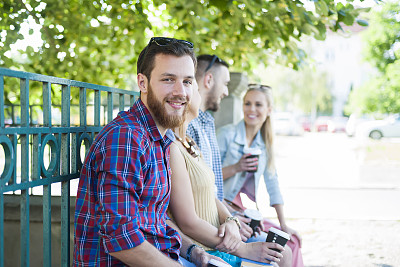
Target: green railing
(37, 155)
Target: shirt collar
(240, 137)
(205, 116)
(140, 111)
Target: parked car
(354, 121)
(321, 123)
(337, 124)
(305, 122)
(376, 129)
(285, 123)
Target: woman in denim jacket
(242, 174)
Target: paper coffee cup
(255, 217)
(255, 153)
(277, 236)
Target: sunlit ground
(343, 195)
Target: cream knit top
(202, 181)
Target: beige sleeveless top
(202, 180)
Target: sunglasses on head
(258, 86)
(213, 60)
(164, 41)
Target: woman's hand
(231, 237)
(260, 251)
(246, 164)
(245, 229)
(291, 232)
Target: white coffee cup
(277, 236)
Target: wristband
(190, 250)
(235, 219)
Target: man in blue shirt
(212, 77)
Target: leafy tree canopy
(381, 94)
(99, 41)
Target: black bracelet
(190, 250)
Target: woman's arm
(182, 204)
(282, 222)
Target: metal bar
(37, 157)
(110, 106)
(1, 229)
(24, 103)
(61, 81)
(82, 106)
(46, 188)
(47, 225)
(14, 141)
(24, 174)
(65, 169)
(74, 152)
(46, 104)
(2, 101)
(121, 102)
(55, 130)
(40, 182)
(25, 228)
(97, 105)
(132, 100)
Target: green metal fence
(38, 155)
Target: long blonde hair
(266, 130)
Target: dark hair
(206, 63)
(166, 46)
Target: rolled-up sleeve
(272, 184)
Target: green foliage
(382, 93)
(99, 41)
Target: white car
(285, 123)
(376, 129)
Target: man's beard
(160, 114)
(212, 101)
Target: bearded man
(124, 186)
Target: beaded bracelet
(190, 250)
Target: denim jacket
(231, 140)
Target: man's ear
(143, 82)
(208, 80)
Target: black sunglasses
(164, 41)
(258, 86)
(213, 60)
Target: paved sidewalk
(349, 242)
(343, 196)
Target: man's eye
(188, 82)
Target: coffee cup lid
(252, 150)
(279, 232)
(253, 214)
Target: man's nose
(180, 90)
(226, 91)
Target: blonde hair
(266, 130)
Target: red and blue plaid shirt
(124, 191)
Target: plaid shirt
(202, 130)
(124, 191)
